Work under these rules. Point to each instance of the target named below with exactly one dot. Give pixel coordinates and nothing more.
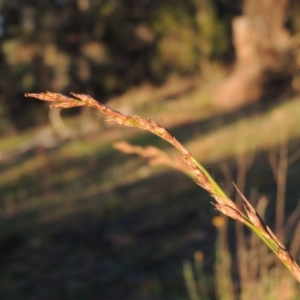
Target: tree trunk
(263, 65)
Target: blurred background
(80, 219)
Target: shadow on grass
(73, 238)
(110, 246)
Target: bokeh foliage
(104, 47)
(98, 47)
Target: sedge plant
(249, 217)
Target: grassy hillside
(83, 221)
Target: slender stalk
(201, 176)
(244, 162)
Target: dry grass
(259, 274)
(223, 203)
